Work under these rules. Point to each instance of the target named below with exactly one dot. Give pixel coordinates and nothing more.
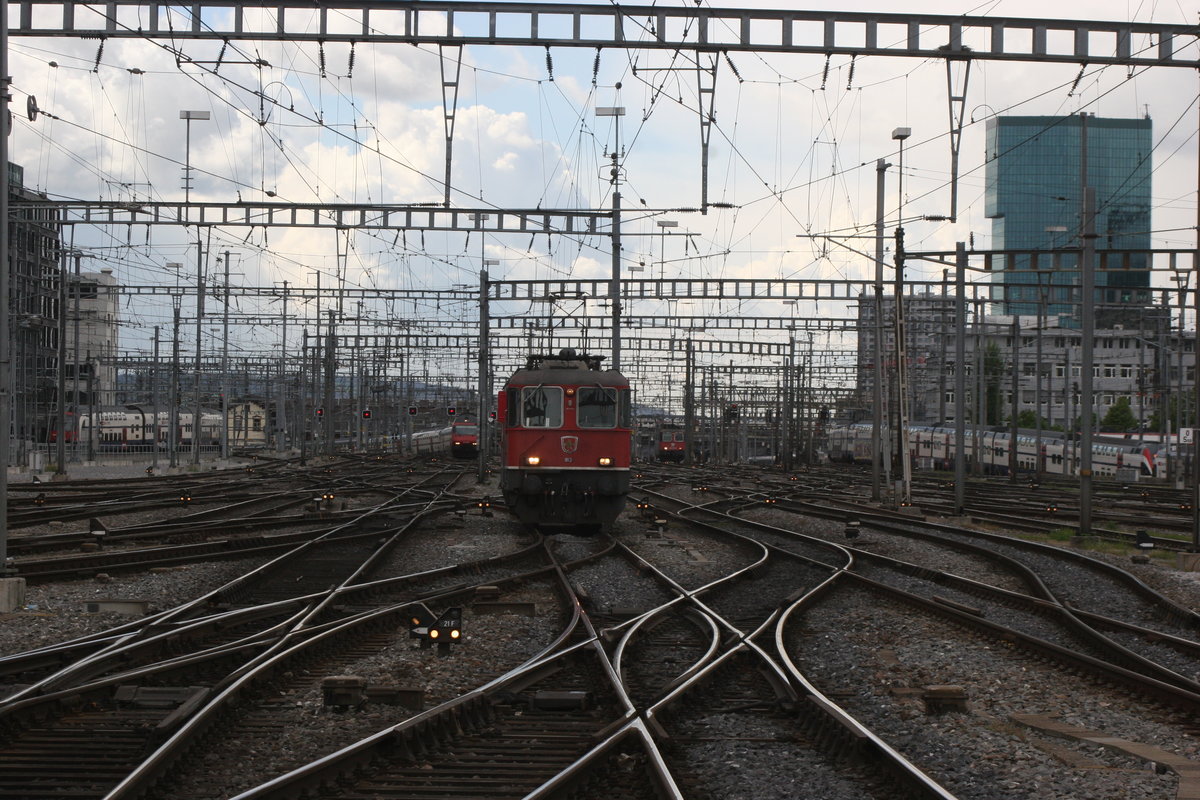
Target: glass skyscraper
(1033, 197)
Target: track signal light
(412, 411)
(451, 411)
(320, 413)
(420, 621)
(447, 630)
(366, 414)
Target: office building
(1034, 184)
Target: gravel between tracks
(867, 655)
(55, 612)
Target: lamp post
(663, 224)
(187, 117)
(905, 498)
(614, 286)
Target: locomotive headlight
(533, 461)
(605, 461)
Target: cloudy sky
(793, 149)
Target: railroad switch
(944, 699)
(581, 594)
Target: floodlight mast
(905, 464)
(614, 287)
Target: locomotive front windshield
(542, 406)
(466, 430)
(597, 407)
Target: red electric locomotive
(464, 439)
(567, 435)
(671, 444)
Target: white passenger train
(934, 447)
(132, 428)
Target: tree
(993, 376)
(1120, 417)
(1184, 410)
(1028, 419)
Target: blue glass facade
(1033, 199)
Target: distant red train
(464, 440)
(567, 435)
(460, 440)
(671, 444)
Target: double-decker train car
(133, 428)
(934, 447)
(567, 436)
(460, 440)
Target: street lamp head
(900, 134)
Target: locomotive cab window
(541, 406)
(466, 430)
(597, 407)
